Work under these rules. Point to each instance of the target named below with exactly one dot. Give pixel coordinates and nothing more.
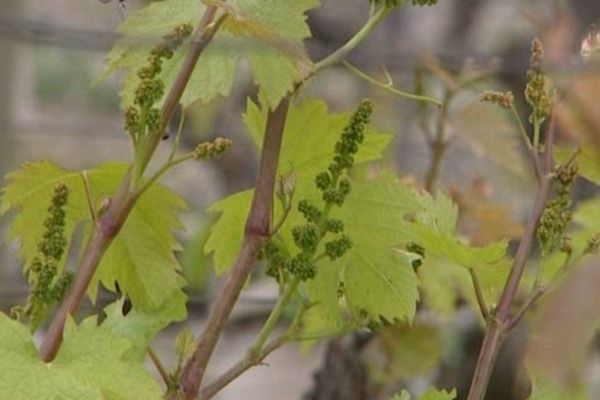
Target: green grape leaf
(140, 327)
(430, 394)
(439, 213)
(185, 344)
(140, 258)
(323, 292)
(89, 365)
(227, 233)
(310, 134)
(269, 33)
(435, 230)
(379, 280)
(450, 247)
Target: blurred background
(51, 53)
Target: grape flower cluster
(334, 188)
(557, 214)
(47, 285)
(142, 116)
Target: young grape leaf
(308, 146)
(450, 247)
(435, 230)
(430, 394)
(379, 280)
(269, 33)
(140, 258)
(89, 365)
(140, 327)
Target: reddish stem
(257, 229)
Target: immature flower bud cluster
(210, 150)
(504, 100)
(334, 188)
(47, 287)
(142, 116)
(557, 215)
(536, 94)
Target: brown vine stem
(501, 320)
(256, 231)
(111, 222)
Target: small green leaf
(379, 279)
(140, 327)
(140, 258)
(185, 344)
(450, 247)
(89, 365)
(435, 230)
(269, 33)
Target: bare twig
(111, 222)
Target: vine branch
(256, 231)
(110, 223)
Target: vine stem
(256, 231)
(274, 317)
(501, 320)
(110, 223)
(388, 86)
(162, 371)
(341, 53)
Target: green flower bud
(337, 248)
(335, 226)
(306, 237)
(323, 180)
